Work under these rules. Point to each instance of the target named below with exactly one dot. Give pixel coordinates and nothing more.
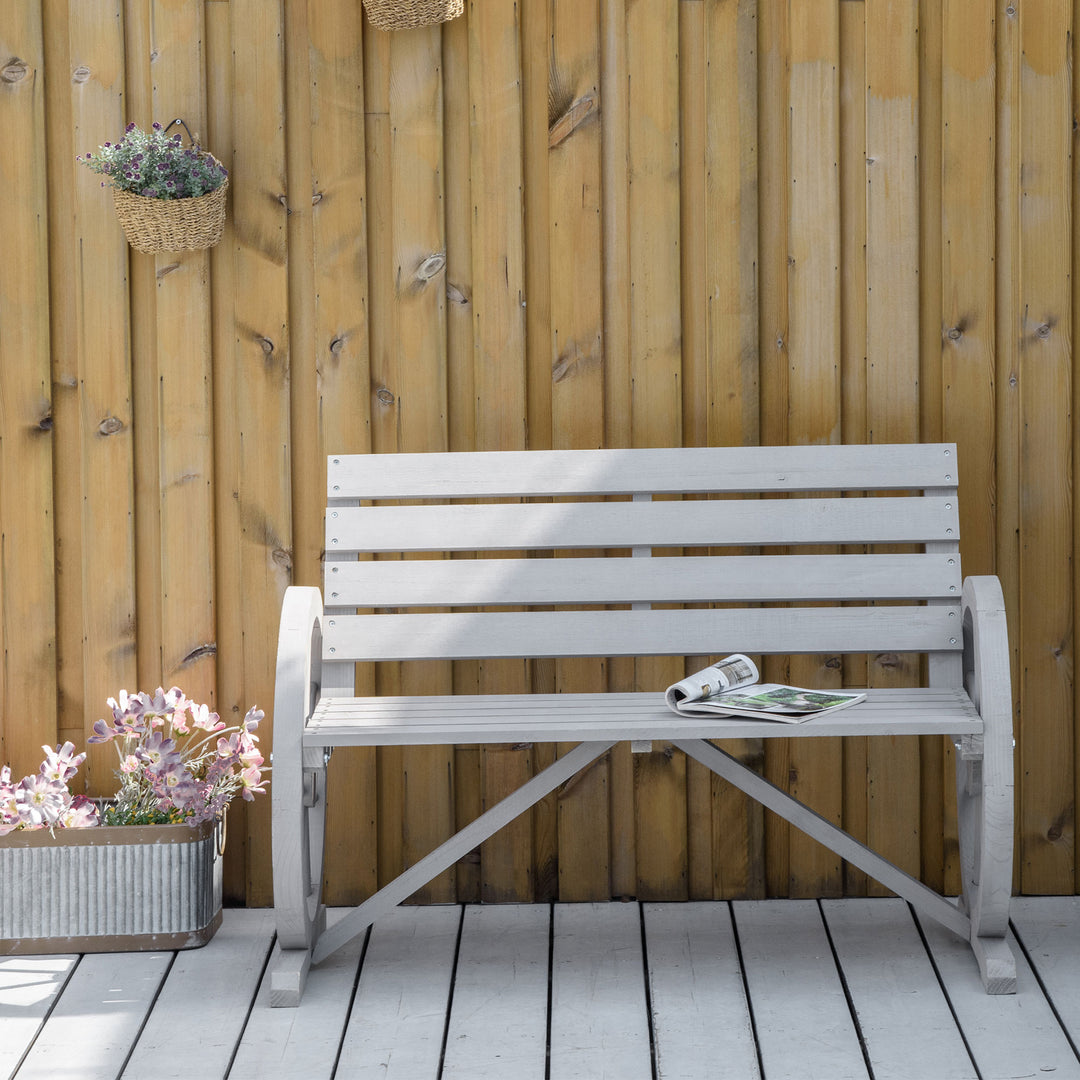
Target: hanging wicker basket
(405, 14)
(153, 225)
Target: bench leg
(288, 975)
(984, 786)
(920, 896)
(531, 792)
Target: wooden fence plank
(652, 41)
(1047, 854)
(184, 464)
(231, 693)
(729, 402)
(498, 261)
(341, 416)
(260, 352)
(574, 356)
(774, 196)
(460, 369)
(614, 212)
(968, 343)
(63, 334)
(106, 610)
(853, 352)
(27, 574)
(813, 774)
(892, 212)
(936, 767)
(412, 391)
(694, 295)
(139, 102)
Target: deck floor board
(831, 989)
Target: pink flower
(40, 801)
(61, 764)
(154, 749)
(251, 779)
(81, 814)
(206, 720)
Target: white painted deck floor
(784, 990)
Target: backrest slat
(686, 580)
(692, 523)
(614, 472)
(665, 632)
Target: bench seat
(492, 718)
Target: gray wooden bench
(896, 588)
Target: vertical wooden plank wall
(27, 575)
(545, 224)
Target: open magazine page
(730, 688)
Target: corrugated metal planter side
(109, 889)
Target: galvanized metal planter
(109, 889)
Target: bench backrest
(836, 549)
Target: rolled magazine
(730, 687)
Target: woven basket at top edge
(404, 14)
(153, 225)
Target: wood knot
(111, 425)
(1042, 331)
(209, 649)
(455, 295)
(337, 345)
(316, 198)
(384, 396)
(1054, 832)
(793, 775)
(284, 202)
(575, 115)
(833, 663)
(81, 74)
(954, 333)
(45, 423)
(15, 70)
(266, 344)
(431, 266)
(283, 558)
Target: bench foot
(288, 975)
(997, 965)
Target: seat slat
(620, 471)
(697, 523)
(689, 579)
(479, 635)
(599, 717)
